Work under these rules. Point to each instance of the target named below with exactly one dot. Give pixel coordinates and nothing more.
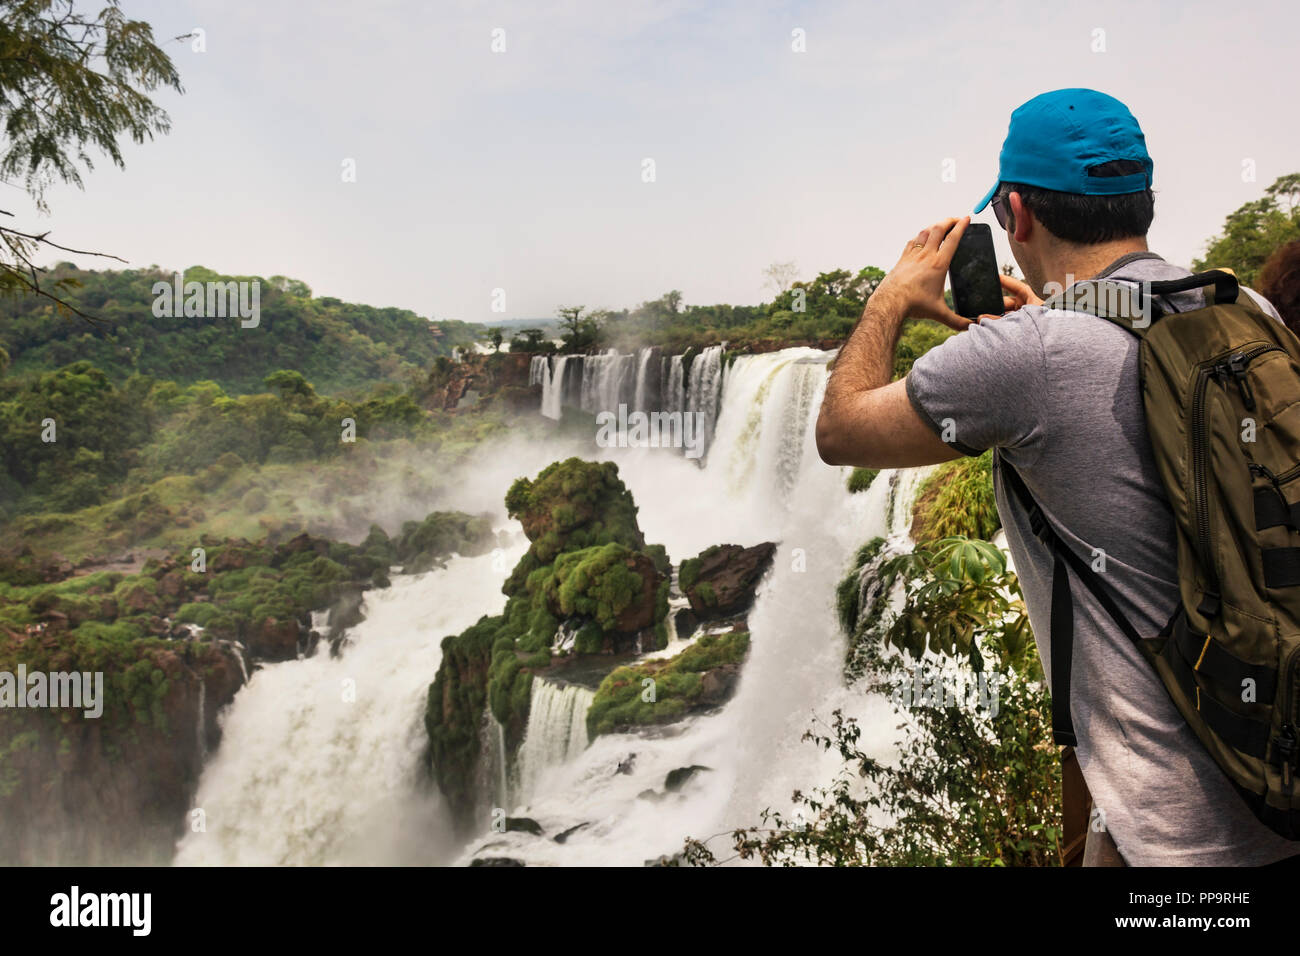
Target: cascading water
(320, 757)
(301, 777)
(646, 391)
(643, 382)
(539, 370)
(200, 728)
(557, 730)
(763, 481)
(493, 779)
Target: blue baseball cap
(1057, 137)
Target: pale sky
(523, 169)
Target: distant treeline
(336, 345)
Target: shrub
(957, 499)
(861, 478)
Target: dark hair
(1087, 220)
(1279, 282)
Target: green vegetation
(336, 345)
(861, 478)
(1255, 229)
(242, 585)
(919, 336)
(957, 499)
(146, 463)
(689, 571)
(819, 310)
(572, 504)
(674, 687)
(596, 583)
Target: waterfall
(200, 728)
(601, 383)
(763, 481)
(320, 757)
(305, 776)
(771, 402)
(675, 389)
(642, 399)
(705, 389)
(492, 777)
(553, 388)
(539, 370)
(556, 733)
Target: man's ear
(1021, 218)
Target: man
(1056, 394)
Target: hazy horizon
(522, 170)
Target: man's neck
(1070, 264)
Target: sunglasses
(1000, 210)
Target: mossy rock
(574, 504)
(677, 686)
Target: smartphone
(976, 289)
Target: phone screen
(974, 274)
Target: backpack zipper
(1233, 366)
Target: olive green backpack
(1221, 388)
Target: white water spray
(557, 731)
(320, 757)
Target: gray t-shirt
(1056, 393)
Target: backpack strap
(1122, 303)
(1062, 624)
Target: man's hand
(916, 282)
(865, 420)
(1016, 294)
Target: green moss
(861, 478)
(574, 504)
(677, 683)
(595, 583)
(590, 639)
(423, 544)
(659, 555)
(195, 613)
(688, 574)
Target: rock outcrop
(454, 385)
(588, 577)
(113, 789)
(721, 581)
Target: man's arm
(865, 420)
